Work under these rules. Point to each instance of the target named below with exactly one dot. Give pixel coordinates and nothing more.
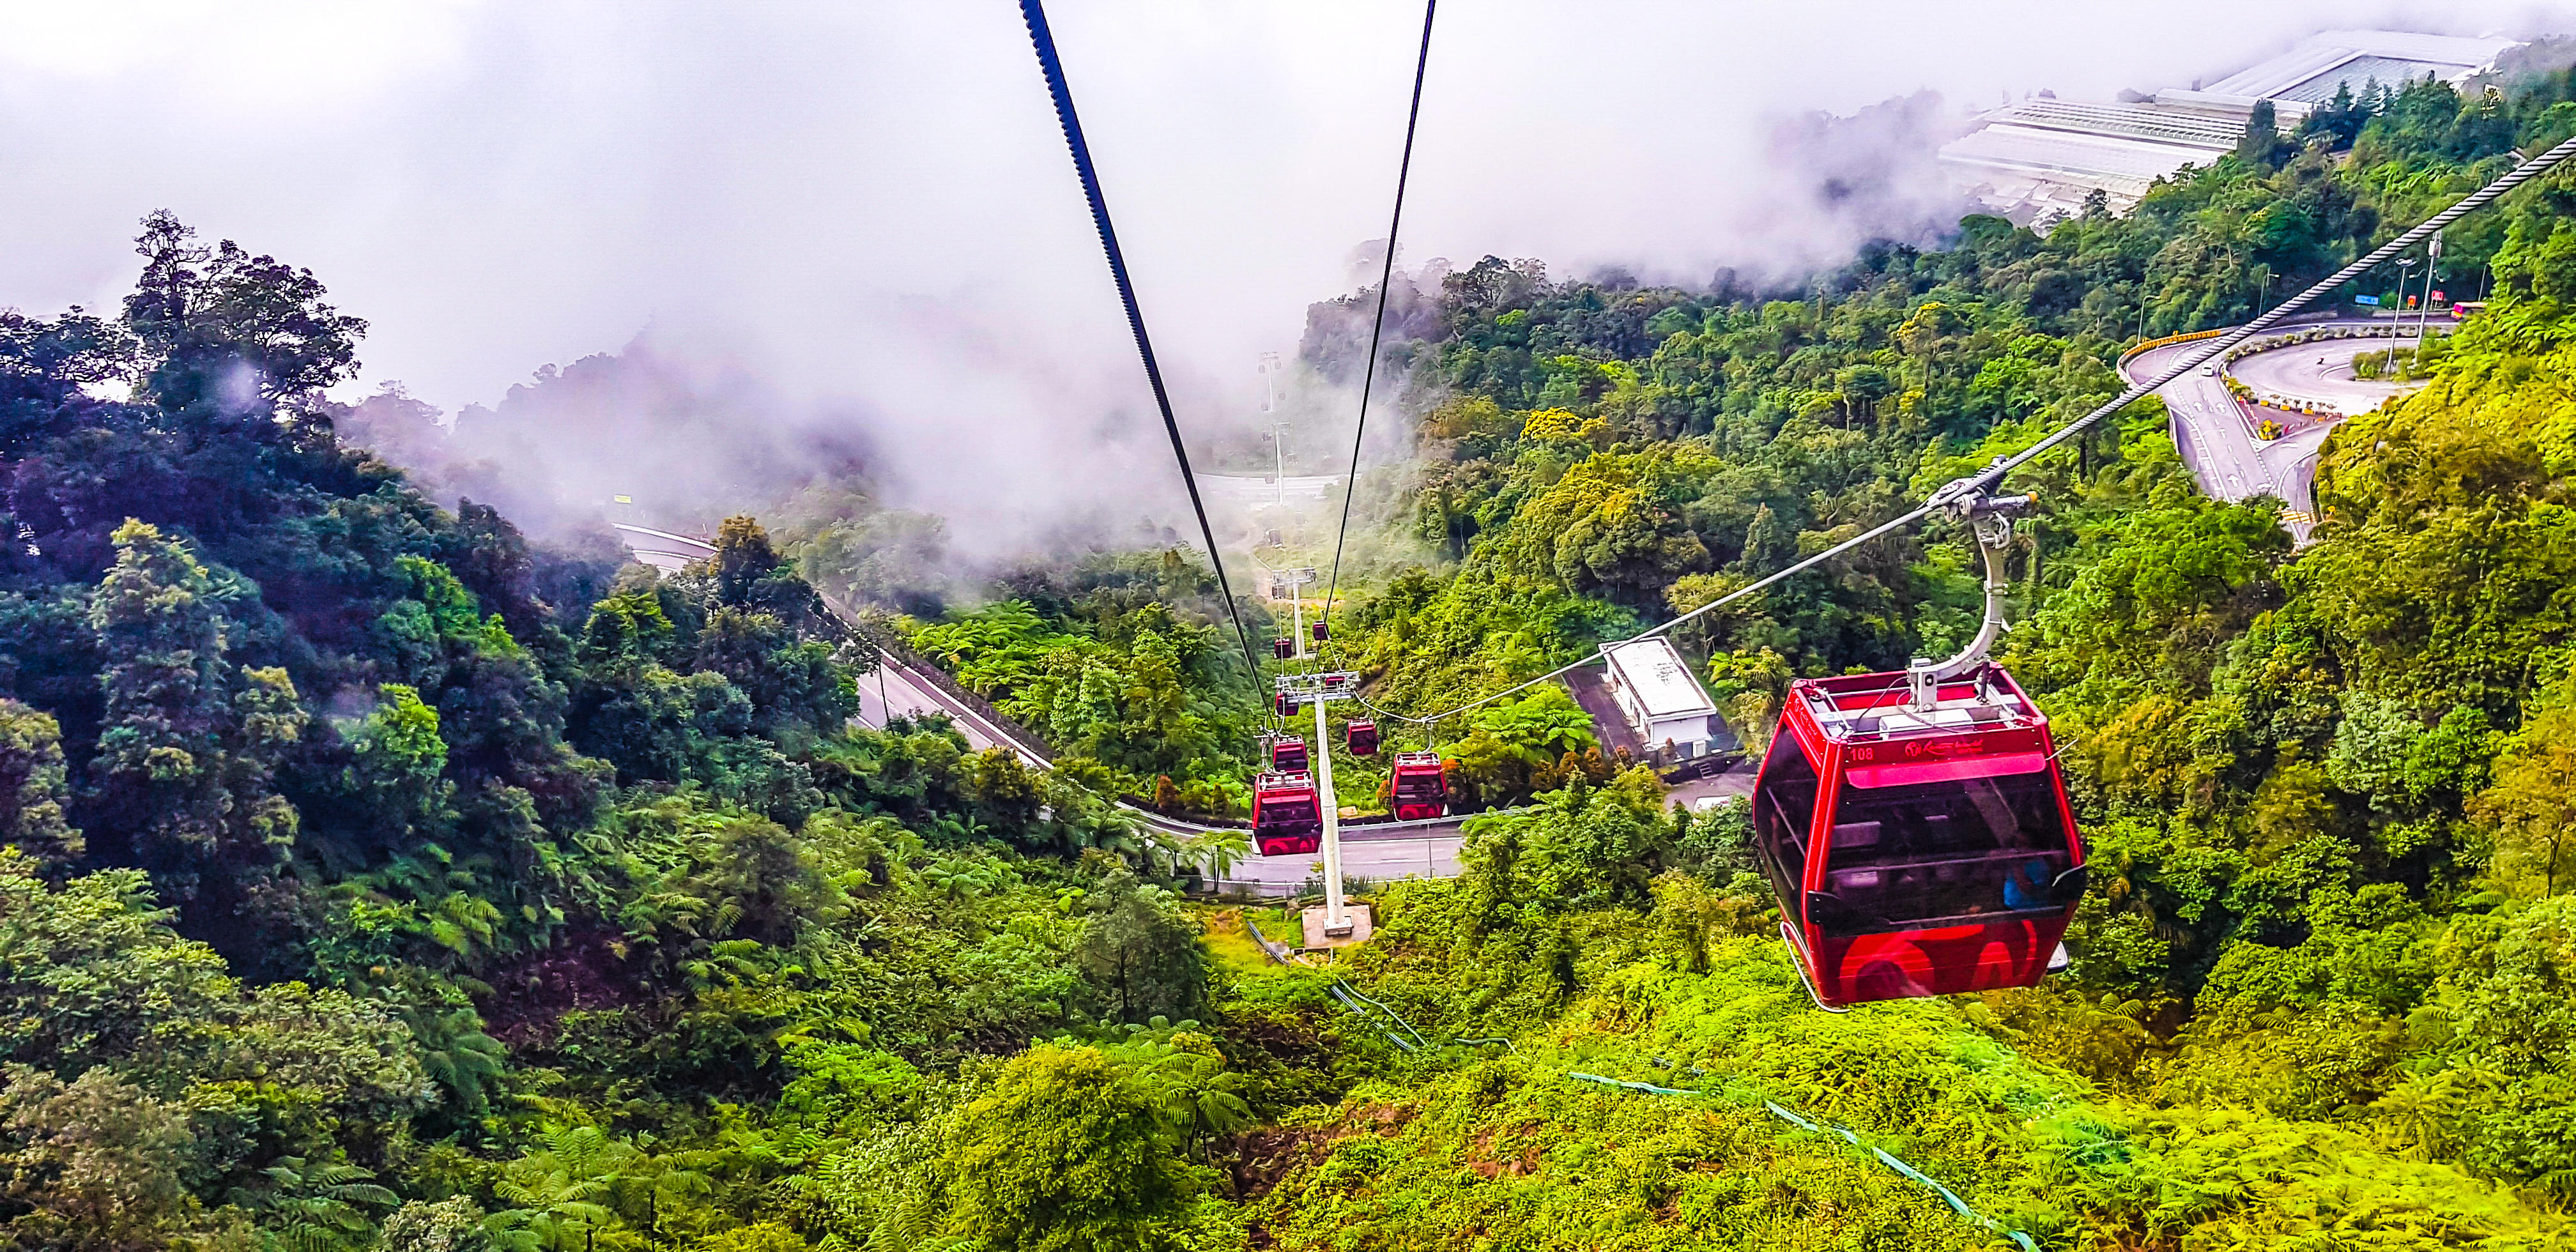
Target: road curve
(2208, 426)
(2320, 373)
(2217, 440)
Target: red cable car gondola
(1360, 735)
(1417, 787)
(1285, 820)
(1322, 632)
(1914, 824)
(1288, 754)
(1283, 647)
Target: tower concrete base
(1320, 934)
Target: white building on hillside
(2036, 160)
(1662, 700)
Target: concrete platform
(1361, 927)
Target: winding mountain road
(2217, 438)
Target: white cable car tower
(1319, 689)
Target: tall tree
(185, 764)
(227, 335)
(32, 789)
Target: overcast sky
(871, 199)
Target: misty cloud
(855, 238)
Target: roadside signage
(2365, 299)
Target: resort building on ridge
(2036, 160)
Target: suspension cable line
(1377, 331)
(1034, 12)
(1992, 476)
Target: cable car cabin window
(1909, 855)
(1783, 812)
(1418, 779)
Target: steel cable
(1377, 331)
(1034, 12)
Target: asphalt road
(1242, 489)
(2218, 442)
(2320, 372)
(1382, 851)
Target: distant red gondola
(1285, 819)
(1914, 824)
(1285, 705)
(1361, 737)
(1417, 787)
(1288, 754)
(1283, 647)
(1322, 632)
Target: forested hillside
(381, 879)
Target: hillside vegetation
(379, 879)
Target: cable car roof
(1858, 708)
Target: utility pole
(1269, 370)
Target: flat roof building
(2036, 160)
(2313, 71)
(1662, 700)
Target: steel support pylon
(1336, 915)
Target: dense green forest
(378, 878)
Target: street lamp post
(2397, 316)
(2432, 258)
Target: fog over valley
(851, 231)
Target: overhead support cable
(1034, 12)
(1385, 279)
(1992, 476)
